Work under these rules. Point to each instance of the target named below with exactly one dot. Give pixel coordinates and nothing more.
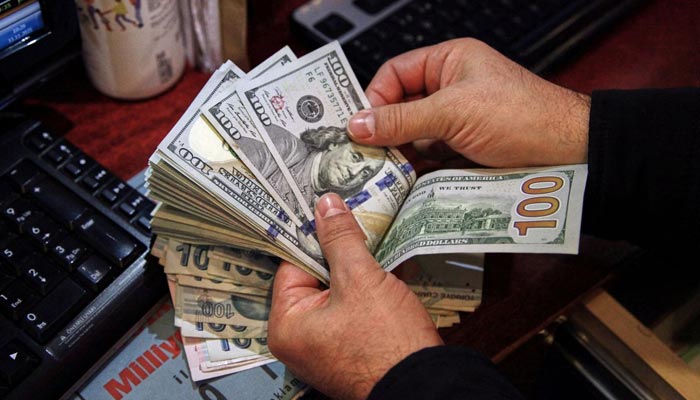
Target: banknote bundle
(221, 300)
(253, 153)
(238, 177)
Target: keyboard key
(467, 5)
(16, 298)
(66, 148)
(109, 196)
(42, 320)
(108, 239)
(60, 152)
(97, 177)
(7, 193)
(373, 6)
(114, 192)
(12, 252)
(43, 231)
(70, 252)
(127, 210)
(95, 272)
(78, 165)
(24, 174)
(19, 212)
(403, 20)
(16, 362)
(449, 16)
(334, 26)
(39, 140)
(55, 157)
(144, 222)
(55, 198)
(422, 8)
(5, 280)
(40, 273)
(136, 204)
(504, 33)
(380, 33)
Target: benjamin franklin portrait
(322, 160)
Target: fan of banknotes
(238, 176)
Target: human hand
(483, 105)
(342, 340)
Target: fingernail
(361, 125)
(330, 204)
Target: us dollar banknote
(227, 114)
(301, 113)
(535, 210)
(195, 149)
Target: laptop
(75, 275)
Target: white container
(133, 49)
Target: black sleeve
(643, 186)
(444, 372)
(644, 167)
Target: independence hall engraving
(433, 218)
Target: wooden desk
(658, 46)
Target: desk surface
(656, 47)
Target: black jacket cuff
(444, 372)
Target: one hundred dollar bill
(301, 114)
(227, 114)
(536, 210)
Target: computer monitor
(37, 39)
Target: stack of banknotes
(238, 177)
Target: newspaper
(152, 365)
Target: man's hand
(344, 339)
(481, 104)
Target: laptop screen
(19, 23)
(37, 38)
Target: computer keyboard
(536, 34)
(73, 272)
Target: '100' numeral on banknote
(540, 205)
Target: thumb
(395, 124)
(342, 242)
